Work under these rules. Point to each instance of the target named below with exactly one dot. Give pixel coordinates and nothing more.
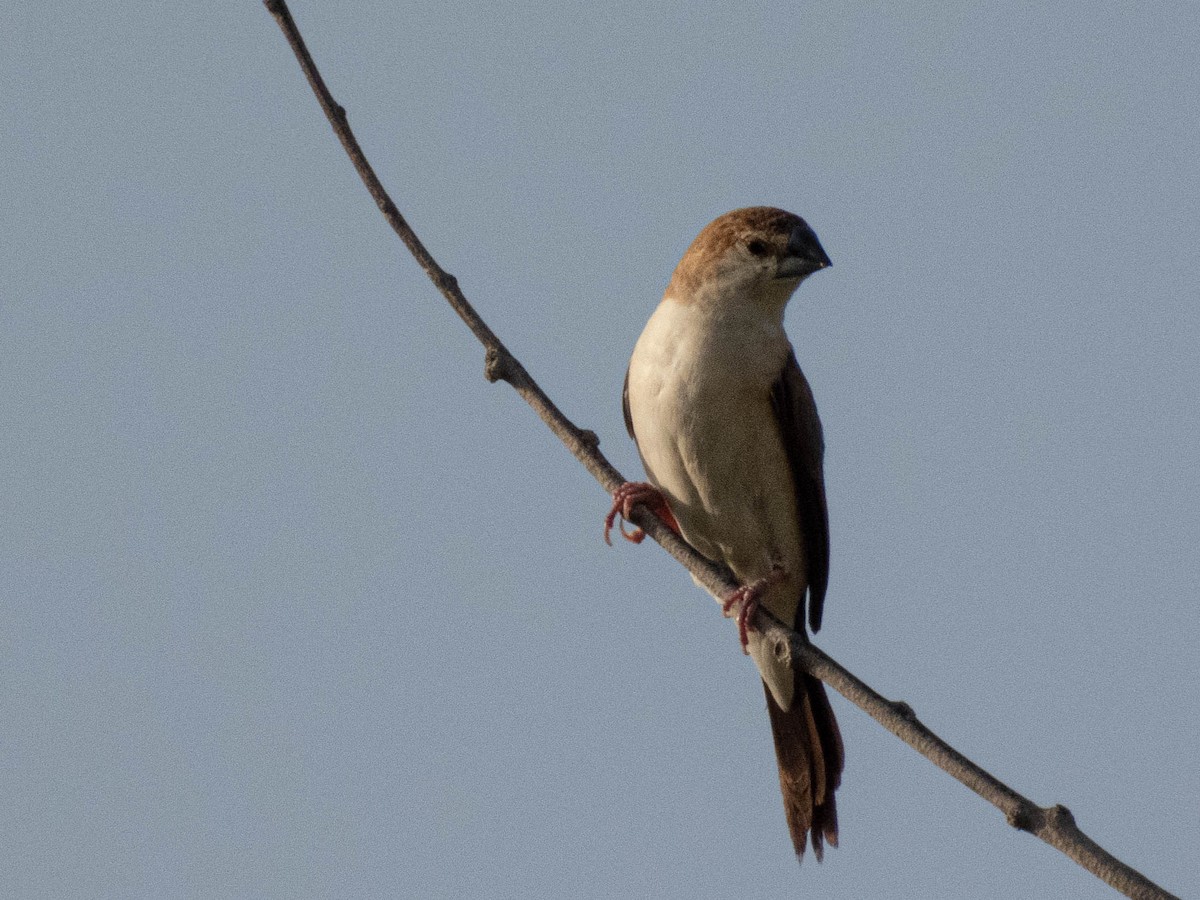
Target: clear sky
(295, 604)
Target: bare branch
(1055, 825)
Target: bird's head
(757, 255)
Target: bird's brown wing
(808, 744)
(625, 407)
(800, 428)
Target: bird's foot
(625, 498)
(742, 604)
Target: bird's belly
(713, 447)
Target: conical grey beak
(805, 255)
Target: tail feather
(825, 820)
(808, 748)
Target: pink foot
(747, 596)
(625, 498)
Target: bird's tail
(808, 747)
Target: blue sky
(296, 604)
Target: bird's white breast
(699, 397)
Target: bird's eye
(757, 247)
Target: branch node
(1024, 817)
(1059, 816)
(904, 711)
(781, 649)
(496, 365)
(589, 438)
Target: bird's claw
(625, 498)
(745, 600)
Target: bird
(727, 430)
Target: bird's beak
(805, 255)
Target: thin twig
(1055, 825)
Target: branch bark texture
(1053, 824)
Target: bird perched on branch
(727, 429)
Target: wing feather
(625, 407)
(800, 427)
